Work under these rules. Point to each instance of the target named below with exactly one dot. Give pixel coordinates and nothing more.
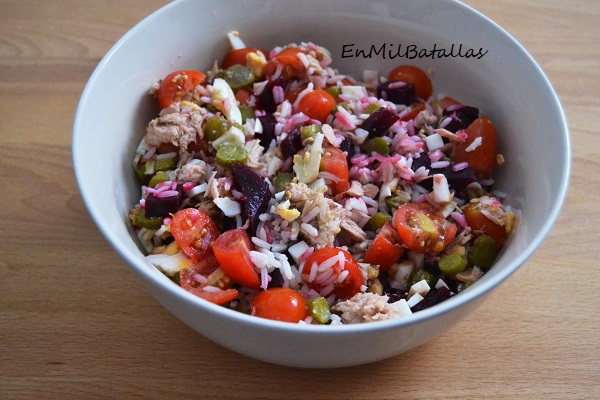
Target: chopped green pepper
(378, 219)
(319, 309)
(230, 153)
(452, 264)
(393, 202)
(334, 91)
(309, 131)
(371, 108)
(483, 252)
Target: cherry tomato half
(281, 304)
(238, 56)
(480, 224)
(317, 104)
(482, 159)
(293, 67)
(292, 95)
(213, 294)
(415, 109)
(345, 289)
(422, 229)
(334, 161)
(232, 249)
(176, 84)
(195, 232)
(442, 104)
(414, 75)
(385, 249)
(243, 95)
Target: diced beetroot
(422, 161)
(347, 145)
(395, 296)
(266, 99)
(163, 206)
(379, 122)
(256, 194)
(397, 93)
(457, 180)
(268, 123)
(461, 118)
(276, 278)
(432, 298)
(292, 143)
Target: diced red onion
(460, 219)
(460, 166)
(166, 193)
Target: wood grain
(74, 323)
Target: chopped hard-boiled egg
(414, 299)
(256, 62)
(224, 100)
(229, 207)
(421, 287)
(170, 264)
(403, 308)
(307, 166)
(284, 211)
(297, 250)
(235, 41)
(233, 135)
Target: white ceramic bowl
(506, 84)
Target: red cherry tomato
(176, 84)
(440, 105)
(348, 287)
(195, 232)
(238, 56)
(415, 109)
(483, 225)
(232, 249)
(482, 159)
(293, 67)
(422, 229)
(334, 161)
(281, 304)
(211, 293)
(243, 96)
(414, 75)
(385, 249)
(292, 95)
(317, 104)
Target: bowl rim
(481, 288)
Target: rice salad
(277, 186)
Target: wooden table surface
(75, 323)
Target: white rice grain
(343, 275)
(309, 229)
(313, 272)
(327, 264)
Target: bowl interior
(505, 84)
